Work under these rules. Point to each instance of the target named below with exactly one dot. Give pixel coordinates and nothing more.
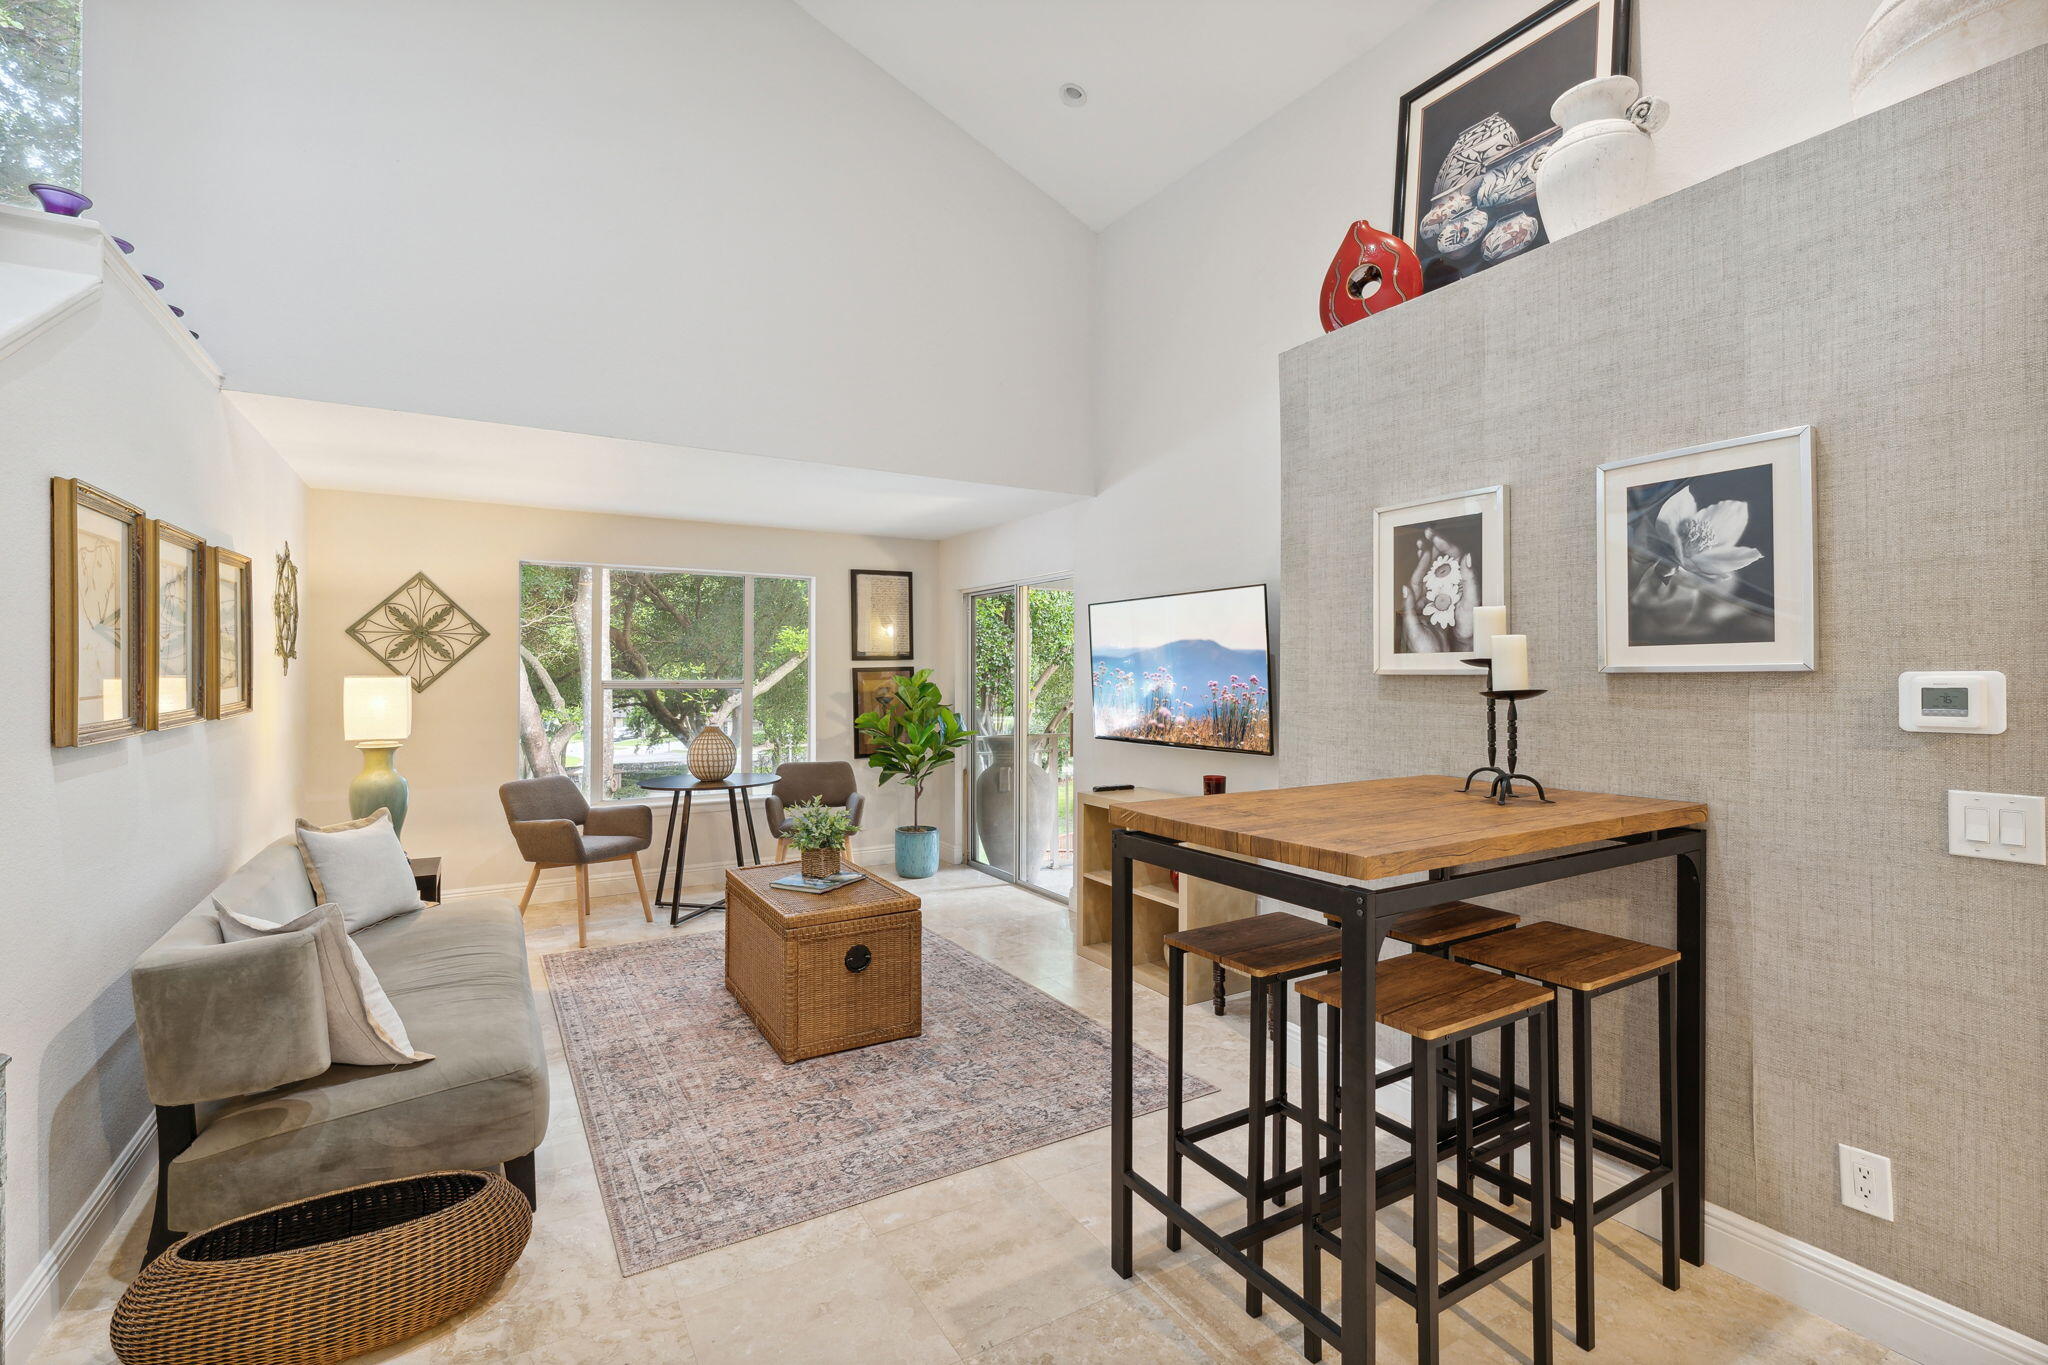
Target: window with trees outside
(619, 668)
(38, 96)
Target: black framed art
(874, 689)
(881, 614)
(1473, 135)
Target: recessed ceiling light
(1073, 96)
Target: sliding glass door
(1021, 706)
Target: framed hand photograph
(174, 602)
(230, 666)
(1473, 136)
(1705, 560)
(96, 615)
(1434, 562)
(874, 689)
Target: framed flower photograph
(175, 602)
(1473, 136)
(874, 689)
(1706, 557)
(1434, 562)
(230, 670)
(96, 615)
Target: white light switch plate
(1995, 825)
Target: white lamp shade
(376, 710)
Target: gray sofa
(250, 1111)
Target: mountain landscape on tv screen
(1188, 692)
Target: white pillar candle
(1510, 663)
(1487, 622)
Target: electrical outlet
(1866, 1181)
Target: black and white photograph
(1473, 136)
(1435, 562)
(1706, 557)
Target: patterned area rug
(702, 1137)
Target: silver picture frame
(1794, 599)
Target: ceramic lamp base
(379, 785)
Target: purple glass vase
(127, 247)
(154, 282)
(57, 199)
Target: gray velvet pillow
(359, 868)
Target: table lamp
(376, 716)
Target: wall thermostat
(1959, 703)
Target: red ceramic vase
(1371, 272)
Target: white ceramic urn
(1601, 163)
(1914, 45)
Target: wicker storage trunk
(826, 973)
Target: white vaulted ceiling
(1170, 82)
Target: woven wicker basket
(820, 862)
(325, 1278)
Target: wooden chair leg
(781, 849)
(532, 878)
(582, 900)
(646, 905)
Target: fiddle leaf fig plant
(915, 738)
(814, 825)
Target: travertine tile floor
(1004, 1264)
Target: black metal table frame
(1365, 914)
(679, 798)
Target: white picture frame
(1705, 558)
(1472, 524)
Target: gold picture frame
(174, 612)
(96, 615)
(230, 655)
(873, 690)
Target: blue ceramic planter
(917, 850)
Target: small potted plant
(914, 739)
(821, 832)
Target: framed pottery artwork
(874, 689)
(881, 614)
(1434, 562)
(1706, 557)
(230, 674)
(96, 615)
(284, 607)
(174, 612)
(1473, 136)
(418, 631)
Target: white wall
(1202, 287)
(706, 223)
(111, 843)
(465, 737)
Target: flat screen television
(1190, 670)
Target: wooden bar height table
(1371, 831)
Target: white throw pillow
(360, 868)
(363, 1029)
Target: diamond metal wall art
(418, 631)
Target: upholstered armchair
(556, 827)
(797, 783)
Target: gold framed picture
(96, 614)
(174, 614)
(874, 689)
(229, 671)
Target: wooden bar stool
(1440, 1005)
(1589, 964)
(1271, 950)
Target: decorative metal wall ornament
(284, 604)
(418, 631)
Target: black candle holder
(1503, 784)
(1492, 731)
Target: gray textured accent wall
(1886, 282)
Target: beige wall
(465, 727)
(1864, 986)
(113, 842)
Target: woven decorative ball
(712, 755)
(821, 862)
(325, 1278)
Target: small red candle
(1212, 784)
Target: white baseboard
(1894, 1315)
(559, 887)
(42, 1294)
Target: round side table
(682, 789)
